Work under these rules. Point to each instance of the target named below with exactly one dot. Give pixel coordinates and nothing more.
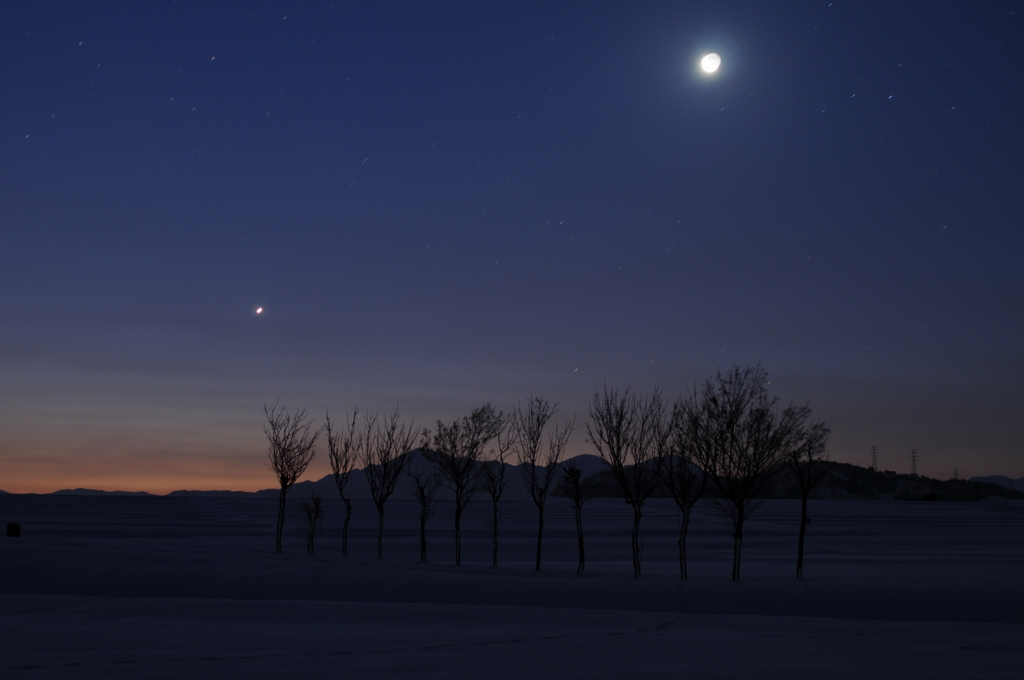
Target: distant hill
(1017, 484)
(855, 482)
(96, 492)
(184, 492)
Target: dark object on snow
(13, 530)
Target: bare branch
(344, 448)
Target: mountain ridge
(846, 481)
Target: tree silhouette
(423, 486)
(387, 442)
(629, 433)
(684, 480)
(292, 447)
(538, 471)
(571, 478)
(739, 440)
(493, 480)
(344, 448)
(805, 454)
(314, 518)
(456, 448)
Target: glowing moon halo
(710, 62)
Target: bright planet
(711, 62)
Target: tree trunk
(280, 517)
(683, 527)
(380, 532)
(737, 546)
(637, 514)
(579, 537)
(800, 543)
(494, 531)
(344, 528)
(423, 534)
(309, 539)
(458, 533)
(540, 533)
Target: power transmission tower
(874, 458)
(956, 473)
(913, 462)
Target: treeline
(726, 439)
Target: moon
(710, 62)
(259, 310)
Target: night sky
(443, 204)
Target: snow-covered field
(166, 587)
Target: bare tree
(685, 481)
(538, 471)
(805, 454)
(387, 442)
(493, 480)
(456, 449)
(344, 449)
(423, 486)
(571, 478)
(740, 438)
(629, 433)
(292, 447)
(314, 517)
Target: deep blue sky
(439, 205)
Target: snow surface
(122, 586)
